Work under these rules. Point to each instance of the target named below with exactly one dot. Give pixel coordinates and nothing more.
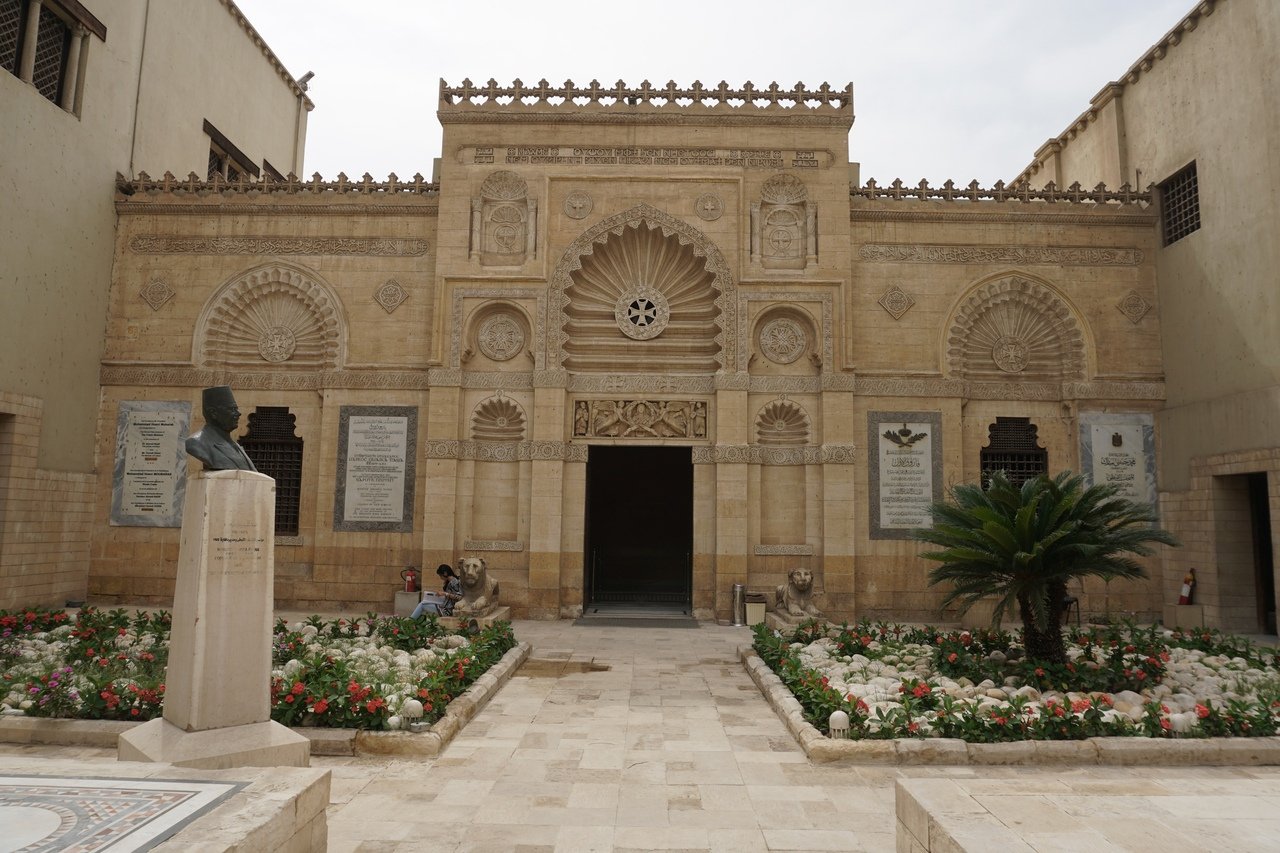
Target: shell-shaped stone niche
(504, 186)
(782, 422)
(498, 419)
(273, 317)
(1016, 329)
(642, 300)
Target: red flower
(133, 712)
(913, 727)
(298, 688)
(952, 658)
(1040, 672)
(321, 706)
(1081, 705)
(1202, 711)
(1166, 725)
(289, 698)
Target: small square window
(1180, 204)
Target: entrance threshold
(637, 615)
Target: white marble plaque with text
(149, 479)
(905, 471)
(1119, 449)
(376, 449)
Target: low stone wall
(1113, 751)
(428, 744)
(280, 808)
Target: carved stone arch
(784, 335)
(498, 418)
(1012, 327)
(273, 316)
(721, 311)
(783, 423)
(499, 330)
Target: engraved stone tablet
(377, 447)
(150, 476)
(905, 471)
(1120, 449)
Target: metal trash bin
(739, 605)
(756, 602)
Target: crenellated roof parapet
(1021, 191)
(623, 104)
(171, 194)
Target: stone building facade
(629, 345)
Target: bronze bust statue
(214, 445)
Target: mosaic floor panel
(43, 813)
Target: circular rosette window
(642, 314)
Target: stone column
(27, 64)
(71, 74)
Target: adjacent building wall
(58, 230)
(1206, 93)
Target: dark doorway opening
(639, 527)
(1263, 563)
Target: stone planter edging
(1111, 751)
(104, 733)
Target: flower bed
(339, 673)
(902, 682)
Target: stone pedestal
(497, 614)
(1183, 615)
(217, 686)
(406, 602)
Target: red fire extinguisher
(410, 575)
(1188, 584)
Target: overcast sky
(962, 89)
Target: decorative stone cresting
(1133, 306)
(273, 315)
(156, 293)
(498, 418)
(782, 422)
(391, 295)
(896, 301)
(1015, 326)
(642, 249)
(569, 96)
(999, 191)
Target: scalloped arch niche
(660, 276)
(271, 317)
(1013, 328)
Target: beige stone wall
(143, 93)
(44, 516)
(1200, 94)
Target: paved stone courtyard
(619, 738)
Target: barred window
(1180, 204)
(42, 43)
(275, 450)
(226, 159)
(1013, 447)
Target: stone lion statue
(479, 591)
(795, 597)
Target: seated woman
(450, 592)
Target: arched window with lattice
(275, 450)
(1013, 447)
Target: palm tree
(1022, 546)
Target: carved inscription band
(1077, 256)
(570, 155)
(152, 244)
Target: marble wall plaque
(905, 471)
(1120, 449)
(150, 476)
(377, 450)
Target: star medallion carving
(390, 295)
(1134, 306)
(156, 293)
(896, 301)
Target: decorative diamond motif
(156, 293)
(1134, 306)
(577, 205)
(896, 301)
(390, 295)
